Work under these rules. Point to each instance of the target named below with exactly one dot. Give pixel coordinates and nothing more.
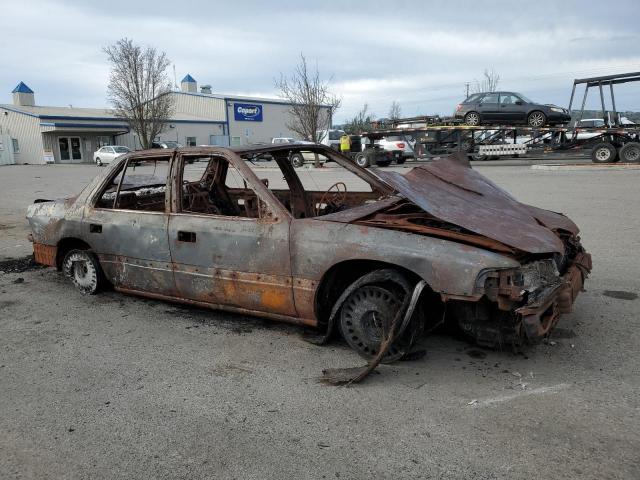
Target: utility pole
(466, 85)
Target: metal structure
(600, 82)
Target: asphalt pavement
(113, 386)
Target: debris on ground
(19, 265)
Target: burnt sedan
(197, 225)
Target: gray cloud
(418, 53)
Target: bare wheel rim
(536, 119)
(82, 272)
(603, 154)
(365, 315)
(472, 119)
(361, 160)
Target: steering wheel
(335, 196)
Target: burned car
(198, 226)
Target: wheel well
(534, 111)
(67, 244)
(343, 274)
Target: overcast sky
(418, 53)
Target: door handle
(186, 236)
(95, 228)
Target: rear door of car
(127, 225)
(489, 107)
(229, 241)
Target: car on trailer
(508, 108)
(441, 242)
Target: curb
(587, 167)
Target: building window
(15, 145)
(191, 141)
(235, 141)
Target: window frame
(15, 145)
(276, 209)
(121, 165)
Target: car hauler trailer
(615, 141)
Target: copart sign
(247, 112)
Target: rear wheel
(603, 153)
(383, 163)
(536, 119)
(472, 118)
(98, 162)
(297, 160)
(362, 160)
(630, 152)
(83, 268)
(401, 160)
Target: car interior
(221, 190)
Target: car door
(229, 237)
(489, 107)
(512, 109)
(127, 225)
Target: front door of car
(512, 108)
(228, 246)
(489, 108)
(127, 226)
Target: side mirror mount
(518, 102)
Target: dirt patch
(620, 294)
(19, 265)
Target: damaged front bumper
(536, 294)
(542, 311)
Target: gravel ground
(112, 386)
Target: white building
(36, 134)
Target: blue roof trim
(22, 88)
(83, 125)
(188, 78)
(64, 117)
(29, 114)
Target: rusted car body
(503, 270)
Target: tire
(472, 119)
(83, 268)
(400, 161)
(362, 160)
(362, 316)
(98, 162)
(297, 160)
(630, 153)
(476, 157)
(536, 119)
(384, 163)
(603, 153)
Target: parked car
(108, 153)
(587, 128)
(352, 257)
(166, 144)
(393, 143)
(509, 108)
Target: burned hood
(452, 191)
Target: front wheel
(603, 153)
(536, 119)
(83, 268)
(297, 160)
(98, 162)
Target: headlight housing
(556, 109)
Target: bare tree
(395, 112)
(312, 102)
(361, 122)
(138, 88)
(489, 82)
